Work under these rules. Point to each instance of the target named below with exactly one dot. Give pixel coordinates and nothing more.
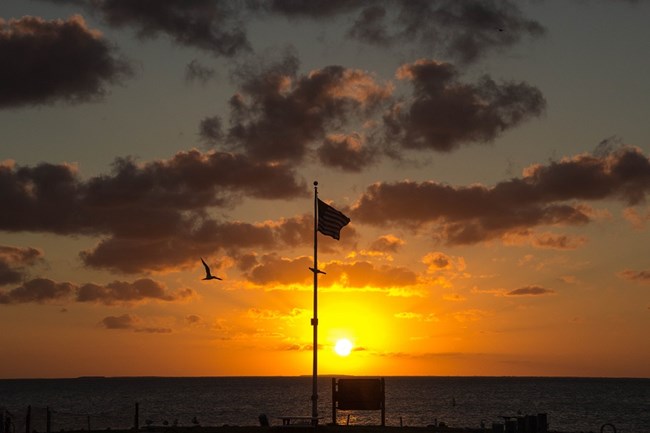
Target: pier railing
(45, 419)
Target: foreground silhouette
(208, 274)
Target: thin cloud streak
(530, 291)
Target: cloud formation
(387, 244)
(132, 322)
(638, 276)
(155, 206)
(277, 114)
(196, 71)
(445, 113)
(347, 152)
(281, 116)
(463, 31)
(547, 195)
(43, 290)
(59, 60)
(530, 291)
(125, 321)
(211, 25)
(187, 242)
(272, 269)
(13, 261)
(39, 291)
(124, 292)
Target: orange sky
(495, 167)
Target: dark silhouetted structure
(264, 420)
(359, 394)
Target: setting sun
(343, 347)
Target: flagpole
(314, 321)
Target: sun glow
(343, 347)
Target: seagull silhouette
(318, 271)
(208, 274)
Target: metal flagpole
(314, 320)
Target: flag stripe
(330, 220)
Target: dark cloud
(387, 244)
(346, 152)
(314, 9)
(365, 274)
(146, 211)
(180, 247)
(545, 195)
(42, 290)
(278, 115)
(638, 276)
(193, 319)
(464, 30)
(445, 113)
(13, 261)
(191, 180)
(125, 321)
(148, 199)
(272, 269)
(371, 26)
(48, 61)
(212, 25)
(42, 198)
(544, 240)
(530, 291)
(211, 131)
(39, 290)
(196, 71)
(9, 275)
(154, 330)
(558, 242)
(279, 270)
(121, 291)
(438, 260)
(245, 262)
(188, 242)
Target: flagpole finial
(315, 183)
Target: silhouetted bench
(298, 420)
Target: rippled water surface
(571, 404)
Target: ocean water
(571, 404)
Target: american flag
(330, 220)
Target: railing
(46, 419)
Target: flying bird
(317, 271)
(208, 274)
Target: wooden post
(383, 403)
(334, 400)
(88, 420)
(48, 420)
(28, 419)
(136, 420)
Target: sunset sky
(493, 157)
